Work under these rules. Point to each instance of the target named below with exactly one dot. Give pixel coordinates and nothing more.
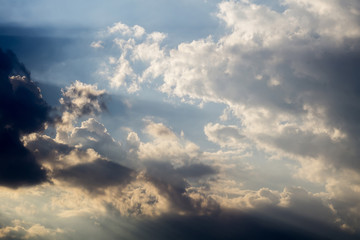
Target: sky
(201, 119)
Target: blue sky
(179, 119)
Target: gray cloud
(96, 176)
(83, 99)
(172, 184)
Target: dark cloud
(196, 170)
(96, 176)
(22, 111)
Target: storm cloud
(22, 111)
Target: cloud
(83, 99)
(270, 68)
(138, 50)
(123, 29)
(92, 134)
(196, 170)
(89, 160)
(289, 82)
(288, 76)
(55, 155)
(172, 184)
(97, 44)
(266, 70)
(96, 176)
(79, 99)
(22, 111)
(21, 230)
(232, 224)
(165, 145)
(225, 136)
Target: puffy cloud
(138, 199)
(21, 230)
(94, 135)
(293, 199)
(139, 51)
(79, 99)
(83, 99)
(164, 145)
(123, 29)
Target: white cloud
(166, 146)
(97, 44)
(22, 230)
(225, 136)
(78, 99)
(123, 29)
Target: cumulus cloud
(165, 145)
(138, 51)
(83, 99)
(79, 99)
(93, 134)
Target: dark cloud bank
(22, 111)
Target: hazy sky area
(187, 119)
